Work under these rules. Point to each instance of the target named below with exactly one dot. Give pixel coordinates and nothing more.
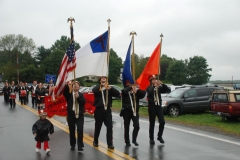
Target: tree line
(35, 62)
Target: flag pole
(74, 72)
(133, 70)
(108, 55)
(159, 68)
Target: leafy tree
(140, 65)
(19, 42)
(63, 44)
(52, 63)
(176, 72)
(164, 61)
(42, 54)
(197, 69)
(10, 72)
(115, 63)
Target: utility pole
(17, 68)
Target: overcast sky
(208, 28)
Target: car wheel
(173, 111)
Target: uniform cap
(150, 77)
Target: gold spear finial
(161, 35)
(70, 19)
(109, 20)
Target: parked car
(236, 86)
(85, 90)
(1, 88)
(188, 99)
(144, 101)
(119, 89)
(226, 104)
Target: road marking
(192, 132)
(113, 153)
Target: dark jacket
(40, 92)
(6, 90)
(150, 93)
(42, 128)
(98, 102)
(126, 103)
(69, 98)
(12, 89)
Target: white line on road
(192, 132)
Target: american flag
(68, 65)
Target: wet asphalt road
(17, 141)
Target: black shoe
(135, 143)
(80, 149)
(128, 144)
(72, 148)
(160, 140)
(152, 141)
(110, 146)
(95, 144)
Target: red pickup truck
(226, 104)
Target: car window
(203, 92)
(221, 97)
(176, 93)
(190, 93)
(237, 97)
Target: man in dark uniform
(18, 89)
(33, 93)
(154, 91)
(75, 107)
(23, 92)
(40, 93)
(6, 92)
(12, 90)
(27, 89)
(128, 111)
(103, 111)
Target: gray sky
(208, 28)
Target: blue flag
(127, 72)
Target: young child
(41, 129)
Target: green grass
(198, 119)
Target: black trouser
(34, 102)
(72, 123)
(153, 111)
(12, 102)
(40, 103)
(27, 97)
(128, 116)
(6, 97)
(101, 115)
(23, 99)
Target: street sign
(48, 77)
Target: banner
(59, 105)
(89, 107)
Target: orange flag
(152, 68)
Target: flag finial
(133, 33)
(71, 19)
(109, 20)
